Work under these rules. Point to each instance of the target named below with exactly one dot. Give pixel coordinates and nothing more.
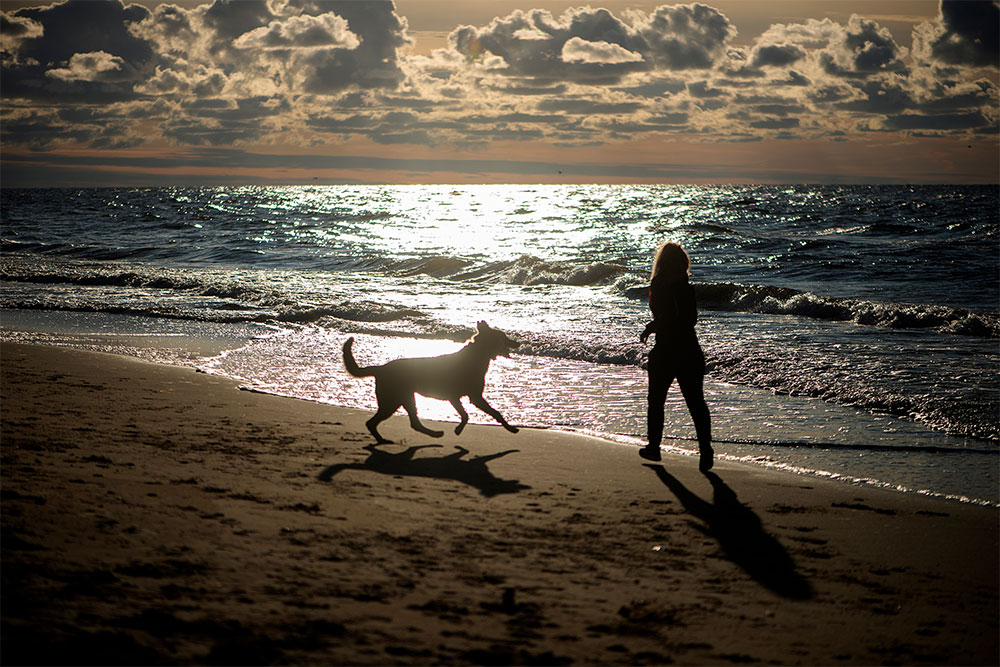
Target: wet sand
(155, 515)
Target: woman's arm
(650, 329)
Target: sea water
(850, 331)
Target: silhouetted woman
(676, 353)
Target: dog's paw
(459, 429)
(512, 429)
(435, 434)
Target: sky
(234, 92)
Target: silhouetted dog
(448, 377)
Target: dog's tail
(352, 366)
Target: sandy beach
(155, 515)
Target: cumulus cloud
(586, 44)
(97, 66)
(198, 80)
(300, 32)
(577, 50)
(862, 49)
(683, 36)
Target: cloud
(577, 50)
(232, 18)
(966, 34)
(97, 66)
(865, 48)
(325, 71)
(777, 55)
(197, 80)
(949, 121)
(64, 39)
(862, 48)
(300, 32)
(701, 90)
(69, 28)
(586, 45)
(683, 36)
(775, 123)
(588, 106)
(16, 29)
(878, 97)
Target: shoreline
(188, 350)
(153, 514)
(907, 457)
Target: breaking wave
(769, 300)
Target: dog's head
(492, 341)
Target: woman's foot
(650, 452)
(707, 458)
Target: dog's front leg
(481, 403)
(457, 404)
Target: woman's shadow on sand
(740, 535)
(453, 466)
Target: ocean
(851, 331)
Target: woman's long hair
(671, 262)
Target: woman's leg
(693, 390)
(659, 382)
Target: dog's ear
(481, 325)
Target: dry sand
(153, 514)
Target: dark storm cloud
(80, 26)
(945, 97)
(77, 51)
(879, 97)
(774, 123)
(15, 29)
(777, 55)
(38, 128)
(232, 18)
(952, 121)
(971, 33)
(237, 110)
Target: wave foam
(769, 300)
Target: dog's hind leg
(457, 404)
(481, 403)
(410, 405)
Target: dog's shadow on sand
(455, 466)
(740, 535)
